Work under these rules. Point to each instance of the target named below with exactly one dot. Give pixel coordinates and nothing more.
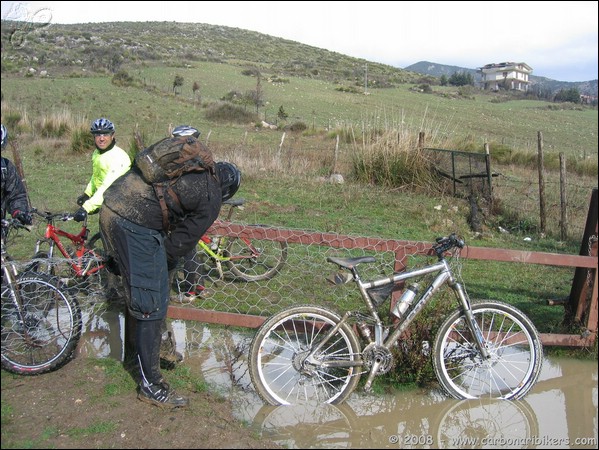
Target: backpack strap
(161, 189)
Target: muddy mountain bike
(41, 322)
(240, 258)
(83, 256)
(485, 349)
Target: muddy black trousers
(141, 258)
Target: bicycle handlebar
(49, 216)
(447, 243)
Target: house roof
(505, 65)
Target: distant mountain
(436, 70)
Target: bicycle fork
(470, 321)
(17, 302)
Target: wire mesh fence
(520, 202)
(303, 276)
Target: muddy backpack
(170, 158)
(162, 163)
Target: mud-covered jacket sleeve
(107, 167)
(200, 197)
(14, 194)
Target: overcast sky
(557, 39)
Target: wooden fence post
(541, 165)
(488, 169)
(562, 191)
(584, 279)
(421, 140)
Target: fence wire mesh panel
(467, 173)
(302, 278)
(94, 294)
(517, 196)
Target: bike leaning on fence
(307, 353)
(41, 323)
(242, 258)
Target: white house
(506, 75)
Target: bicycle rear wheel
(516, 353)
(278, 358)
(41, 334)
(255, 259)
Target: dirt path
(82, 406)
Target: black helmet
(186, 130)
(102, 126)
(230, 178)
(4, 136)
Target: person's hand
(82, 199)
(24, 217)
(80, 215)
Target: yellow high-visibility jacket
(107, 166)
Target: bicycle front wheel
(39, 333)
(255, 259)
(290, 363)
(514, 346)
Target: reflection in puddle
(559, 412)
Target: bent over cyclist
(109, 162)
(131, 222)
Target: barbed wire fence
(512, 198)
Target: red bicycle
(82, 257)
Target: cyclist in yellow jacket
(109, 162)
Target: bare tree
(258, 94)
(178, 82)
(195, 88)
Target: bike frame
(444, 275)
(78, 264)
(215, 248)
(9, 271)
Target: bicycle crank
(379, 360)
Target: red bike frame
(82, 261)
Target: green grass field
(445, 115)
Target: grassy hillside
(448, 114)
(322, 89)
(79, 48)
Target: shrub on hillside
(81, 140)
(296, 127)
(122, 78)
(53, 127)
(226, 112)
(11, 121)
(387, 161)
